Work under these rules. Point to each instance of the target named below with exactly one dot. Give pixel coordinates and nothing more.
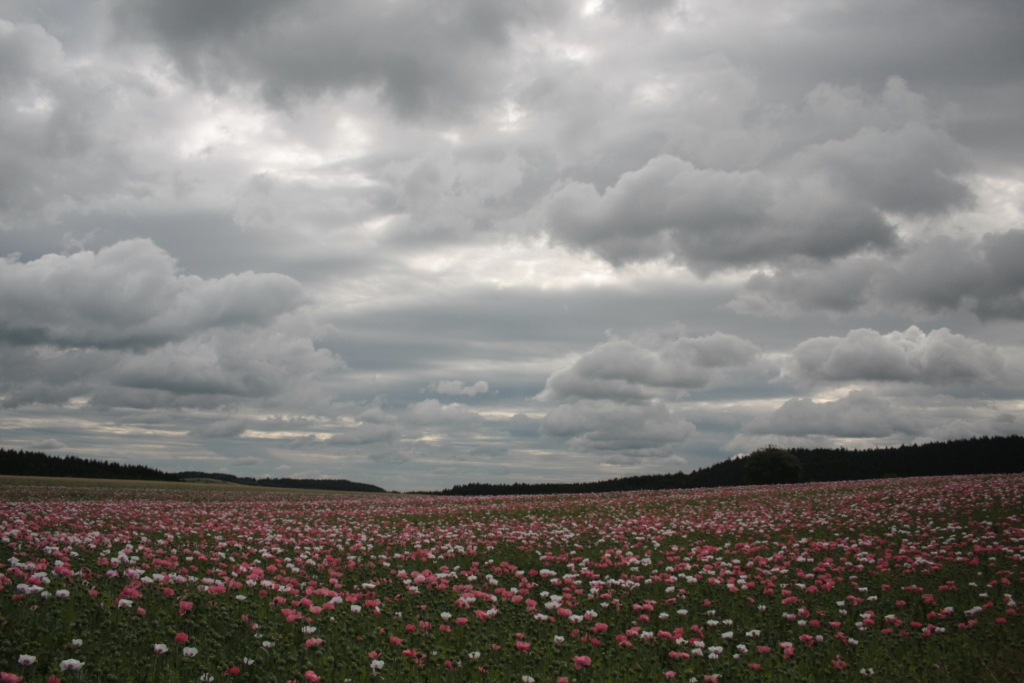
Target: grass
(197, 485)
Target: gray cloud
(457, 388)
(236, 426)
(980, 275)
(280, 423)
(375, 415)
(435, 60)
(649, 430)
(229, 364)
(839, 287)
(860, 414)
(48, 445)
(711, 219)
(209, 370)
(1003, 424)
(939, 358)
(30, 374)
(365, 434)
(523, 425)
(627, 370)
(453, 194)
(433, 412)
(1001, 295)
(221, 428)
(839, 167)
(911, 170)
(391, 457)
(52, 156)
(130, 294)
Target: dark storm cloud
(426, 59)
(130, 295)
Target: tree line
(34, 464)
(982, 455)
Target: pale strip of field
(18, 480)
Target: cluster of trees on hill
(33, 464)
(985, 455)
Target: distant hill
(33, 464)
(321, 484)
(985, 455)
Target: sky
(419, 244)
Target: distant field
(891, 580)
(210, 485)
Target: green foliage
(983, 455)
(772, 465)
(33, 464)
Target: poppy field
(897, 579)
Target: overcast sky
(419, 244)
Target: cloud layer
(506, 241)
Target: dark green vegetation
(29, 464)
(986, 455)
(772, 465)
(319, 484)
(32, 464)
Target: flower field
(911, 580)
